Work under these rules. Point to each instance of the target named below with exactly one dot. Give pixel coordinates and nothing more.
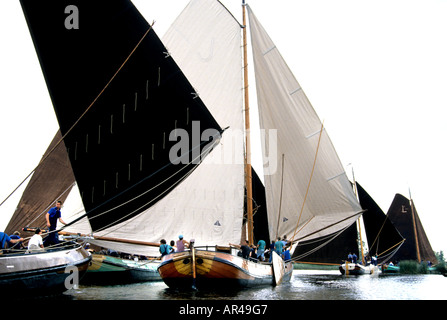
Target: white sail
(285, 111)
(205, 41)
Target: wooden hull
(353, 269)
(216, 270)
(42, 272)
(110, 270)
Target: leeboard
(278, 268)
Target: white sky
(375, 72)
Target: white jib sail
(285, 111)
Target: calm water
(305, 285)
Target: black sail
(118, 96)
(260, 218)
(332, 249)
(401, 214)
(383, 238)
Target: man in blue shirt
(286, 255)
(18, 244)
(279, 245)
(261, 250)
(164, 249)
(5, 240)
(52, 216)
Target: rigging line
(380, 231)
(331, 225)
(201, 154)
(310, 180)
(175, 173)
(326, 238)
(82, 115)
(397, 244)
(304, 225)
(320, 246)
(152, 200)
(146, 204)
(46, 209)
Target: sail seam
(268, 50)
(296, 90)
(335, 177)
(314, 134)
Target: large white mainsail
(205, 41)
(284, 110)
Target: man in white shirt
(36, 242)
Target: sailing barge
(205, 267)
(306, 208)
(404, 216)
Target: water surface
(304, 285)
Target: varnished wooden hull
(216, 270)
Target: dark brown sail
(402, 214)
(51, 181)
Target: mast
(248, 179)
(414, 227)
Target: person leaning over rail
(6, 241)
(18, 245)
(245, 249)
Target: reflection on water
(305, 285)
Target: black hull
(56, 277)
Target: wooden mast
(248, 178)
(414, 229)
